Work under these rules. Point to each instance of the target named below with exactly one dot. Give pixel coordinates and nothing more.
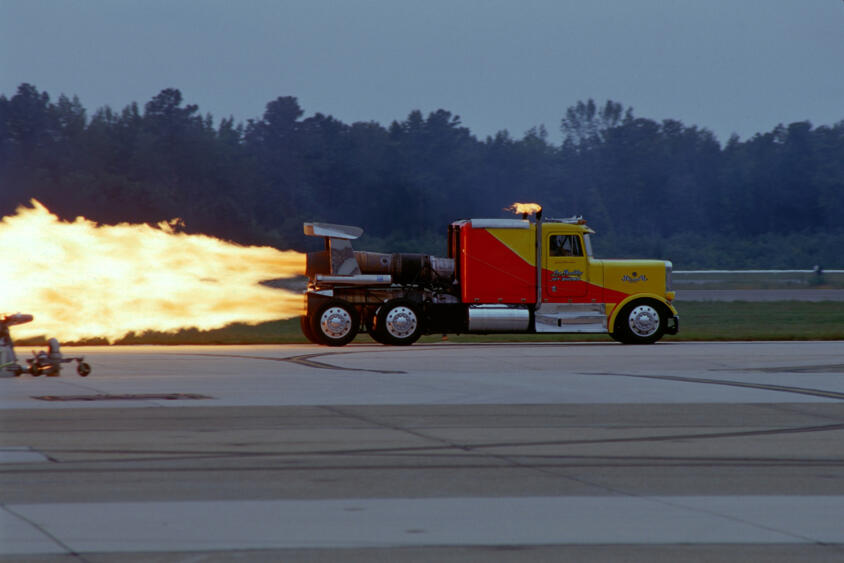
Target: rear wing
(338, 248)
(330, 230)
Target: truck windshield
(587, 242)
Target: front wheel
(640, 322)
(335, 323)
(398, 323)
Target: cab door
(564, 272)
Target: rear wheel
(640, 322)
(305, 326)
(335, 323)
(372, 331)
(398, 323)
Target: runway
(458, 452)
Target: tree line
(650, 188)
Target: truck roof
(500, 223)
(574, 224)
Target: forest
(658, 189)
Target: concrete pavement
(536, 452)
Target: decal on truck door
(564, 274)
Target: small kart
(45, 362)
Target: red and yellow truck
(501, 275)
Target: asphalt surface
(476, 452)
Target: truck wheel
(640, 322)
(373, 332)
(335, 324)
(305, 326)
(398, 323)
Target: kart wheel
(335, 323)
(83, 369)
(398, 323)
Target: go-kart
(44, 362)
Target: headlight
(668, 268)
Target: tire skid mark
(461, 449)
(732, 383)
(526, 462)
(306, 360)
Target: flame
(83, 280)
(524, 208)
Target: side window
(565, 245)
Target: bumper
(672, 325)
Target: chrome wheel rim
(400, 322)
(644, 321)
(336, 322)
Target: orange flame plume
(524, 208)
(83, 280)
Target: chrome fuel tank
(498, 318)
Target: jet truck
(528, 275)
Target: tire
(305, 326)
(371, 330)
(617, 336)
(335, 323)
(83, 369)
(640, 322)
(398, 323)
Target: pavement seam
(731, 518)
(68, 550)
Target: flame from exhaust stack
(522, 208)
(83, 280)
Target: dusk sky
(732, 66)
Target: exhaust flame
(524, 208)
(83, 280)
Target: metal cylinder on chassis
(498, 318)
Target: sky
(731, 66)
